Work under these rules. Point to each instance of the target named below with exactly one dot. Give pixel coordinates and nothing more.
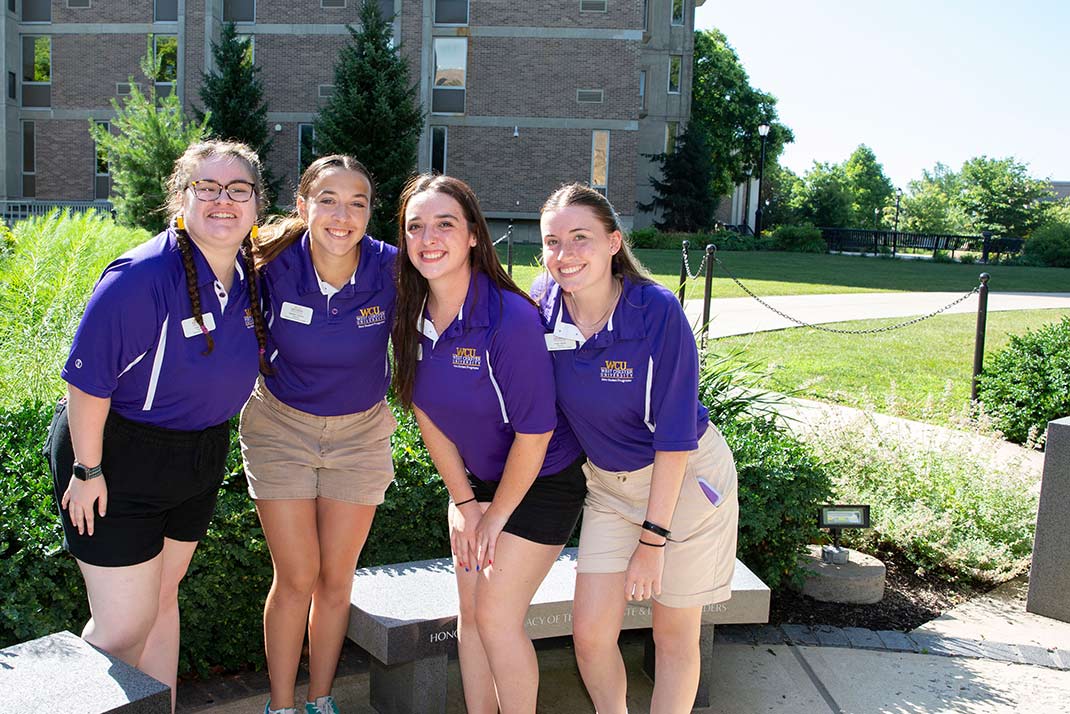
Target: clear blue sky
(918, 81)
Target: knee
(334, 587)
(676, 644)
(125, 637)
(589, 641)
(297, 583)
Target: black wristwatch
(85, 473)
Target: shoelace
(324, 705)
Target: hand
(487, 532)
(642, 579)
(78, 501)
(463, 521)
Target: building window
(672, 128)
(239, 10)
(11, 6)
(166, 11)
(326, 90)
(439, 138)
(250, 47)
(676, 62)
(593, 5)
(123, 89)
(37, 71)
(29, 160)
(590, 96)
(79, 4)
(600, 161)
(678, 12)
(333, 4)
(306, 146)
(642, 90)
(12, 83)
(451, 12)
(36, 11)
(451, 57)
(646, 14)
(165, 48)
(386, 9)
(102, 172)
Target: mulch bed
(910, 600)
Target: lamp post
(763, 131)
(895, 230)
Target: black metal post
(986, 236)
(509, 248)
(706, 293)
(979, 338)
(758, 211)
(895, 232)
(683, 272)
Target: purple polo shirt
(632, 388)
(139, 345)
(488, 377)
(328, 351)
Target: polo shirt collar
(205, 275)
(625, 322)
(365, 278)
(474, 312)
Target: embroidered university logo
(371, 316)
(466, 358)
(617, 371)
(249, 318)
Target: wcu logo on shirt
(617, 371)
(466, 358)
(371, 316)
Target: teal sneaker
(322, 705)
(284, 710)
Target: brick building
(518, 97)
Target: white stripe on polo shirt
(497, 389)
(131, 365)
(157, 364)
(649, 383)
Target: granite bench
(64, 673)
(405, 617)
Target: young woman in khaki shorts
(315, 434)
(660, 516)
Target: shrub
(651, 238)
(803, 238)
(942, 256)
(1049, 245)
(942, 505)
(1027, 383)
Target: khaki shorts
(289, 453)
(701, 553)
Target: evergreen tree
(152, 133)
(682, 195)
(233, 98)
(373, 115)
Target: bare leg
(676, 638)
(597, 615)
(343, 529)
(503, 594)
(123, 604)
(290, 528)
(479, 694)
(159, 658)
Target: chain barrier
(501, 239)
(695, 275)
(870, 331)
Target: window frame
(463, 89)
(34, 38)
(601, 96)
(155, 12)
(32, 124)
(467, 15)
(330, 91)
(223, 14)
(88, 5)
(343, 6)
(12, 86)
(672, 13)
(678, 60)
(603, 11)
(156, 54)
(445, 147)
(642, 90)
(602, 188)
(24, 21)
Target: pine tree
(682, 195)
(373, 115)
(233, 98)
(152, 133)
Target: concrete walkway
(741, 316)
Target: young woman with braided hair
(165, 355)
(316, 432)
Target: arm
(86, 415)
(463, 519)
(643, 577)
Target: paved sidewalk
(741, 316)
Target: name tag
(556, 344)
(419, 352)
(190, 328)
(296, 313)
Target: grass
(775, 273)
(920, 372)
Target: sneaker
(284, 710)
(322, 705)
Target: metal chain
(501, 239)
(701, 266)
(870, 331)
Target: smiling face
(438, 241)
(222, 223)
(577, 249)
(337, 210)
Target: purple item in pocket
(709, 491)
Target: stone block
(64, 673)
(862, 638)
(859, 581)
(1031, 654)
(1049, 574)
(831, 636)
(799, 635)
(897, 641)
(417, 687)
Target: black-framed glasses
(208, 190)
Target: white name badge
(190, 328)
(556, 344)
(419, 352)
(296, 313)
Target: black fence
(853, 240)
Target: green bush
(803, 238)
(651, 238)
(942, 256)
(1027, 383)
(1049, 246)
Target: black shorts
(551, 507)
(162, 483)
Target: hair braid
(259, 327)
(191, 285)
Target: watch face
(79, 472)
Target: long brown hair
(624, 263)
(412, 287)
(176, 187)
(280, 234)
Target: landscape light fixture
(516, 132)
(763, 131)
(836, 518)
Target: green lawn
(775, 273)
(920, 372)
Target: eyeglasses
(237, 191)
